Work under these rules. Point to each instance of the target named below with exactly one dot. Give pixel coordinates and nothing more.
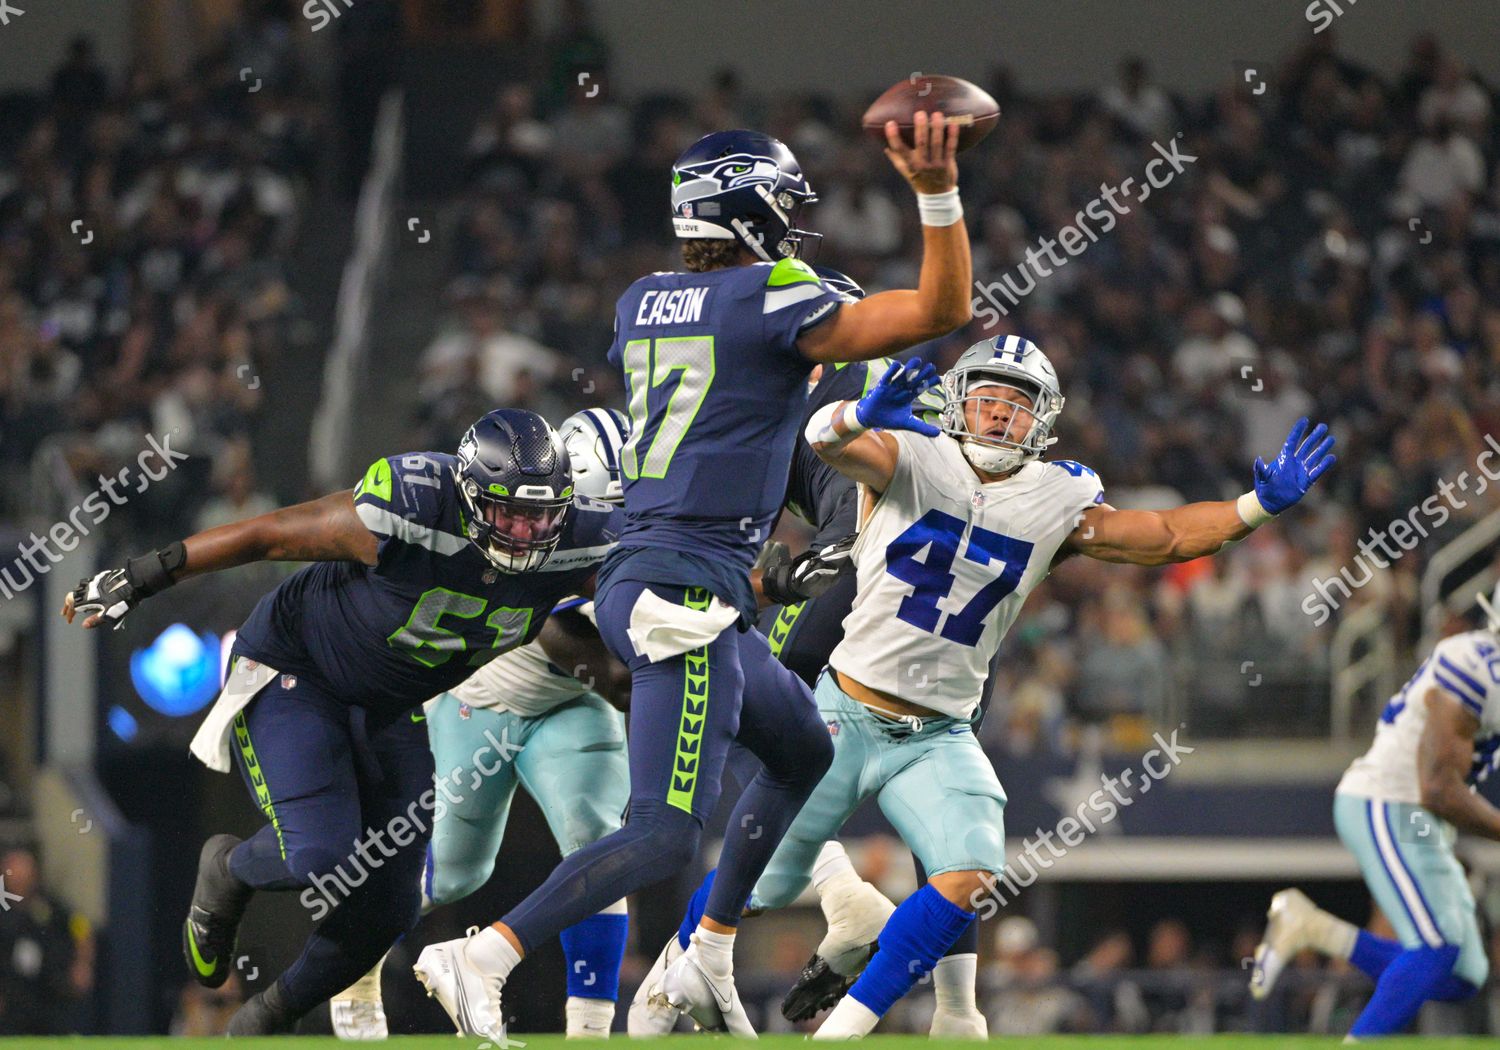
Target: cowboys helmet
(1004, 361)
(593, 439)
(516, 486)
(1491, 608)
(744, 186)
(838, 282)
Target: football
(973, 107)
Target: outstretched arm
(1444, 757)
(1157, 537)
(326, 529)
(841, 436)
(889, 322)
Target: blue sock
(1373, 954)
(594, 949)
(913, 939)
(694, 914)
(1409, 980)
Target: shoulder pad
(376, 482)
(791, 271)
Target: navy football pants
(340, 787)
(684, 712)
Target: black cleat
(262, 1014)
(819, 987)
(219, 900)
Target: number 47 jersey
(944, 563)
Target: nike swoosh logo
(204, 968)
(417, 716)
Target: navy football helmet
(842, 283)
(744, 186)
(516, 485)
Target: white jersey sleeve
(522, 680)
(943, 565)
(1467, 668)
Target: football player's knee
(317, 864)
(456, 880)
(666, 836)
(963, 888)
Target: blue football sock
(594, 949)
(694, 914)
(1409, 980)
(913, 939)
(1373, 954)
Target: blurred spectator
(46, 953)
(205, 1012)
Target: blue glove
(1302, 461)
(887, 405)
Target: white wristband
(820, 427)
(1252, 513)
(940, 209)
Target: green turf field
(775, 1042)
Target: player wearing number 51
(431, 566)
(958, 524)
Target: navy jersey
(431, 609)
(717, 389)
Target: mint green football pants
(935, 786)
(571, 760)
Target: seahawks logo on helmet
(741, 185)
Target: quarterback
(1398, 808)
(958, 524)
(716, 360)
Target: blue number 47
(931, 579)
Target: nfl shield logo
(464, 711)
(977, 500)
(490, 576)
(833, 729)
(687, 211)
(288, 681)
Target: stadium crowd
(1327, 247)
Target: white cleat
(1293, 924)
(470, 998)
(650, 1014)
(357, 1013)
(856, 912)
(711, 1001)
(954, 1024)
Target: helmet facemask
(515, 533)
(1002, 441)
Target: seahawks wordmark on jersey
(716, 392)
(1465, 666)
(944, 564)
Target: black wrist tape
(152, 573)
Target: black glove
(786, 580)
(114, 592)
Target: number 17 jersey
(716, 388)
(944, 564)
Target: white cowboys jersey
(944, 564)
(523, 681)
(1467, 667)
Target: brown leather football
(974, 108)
